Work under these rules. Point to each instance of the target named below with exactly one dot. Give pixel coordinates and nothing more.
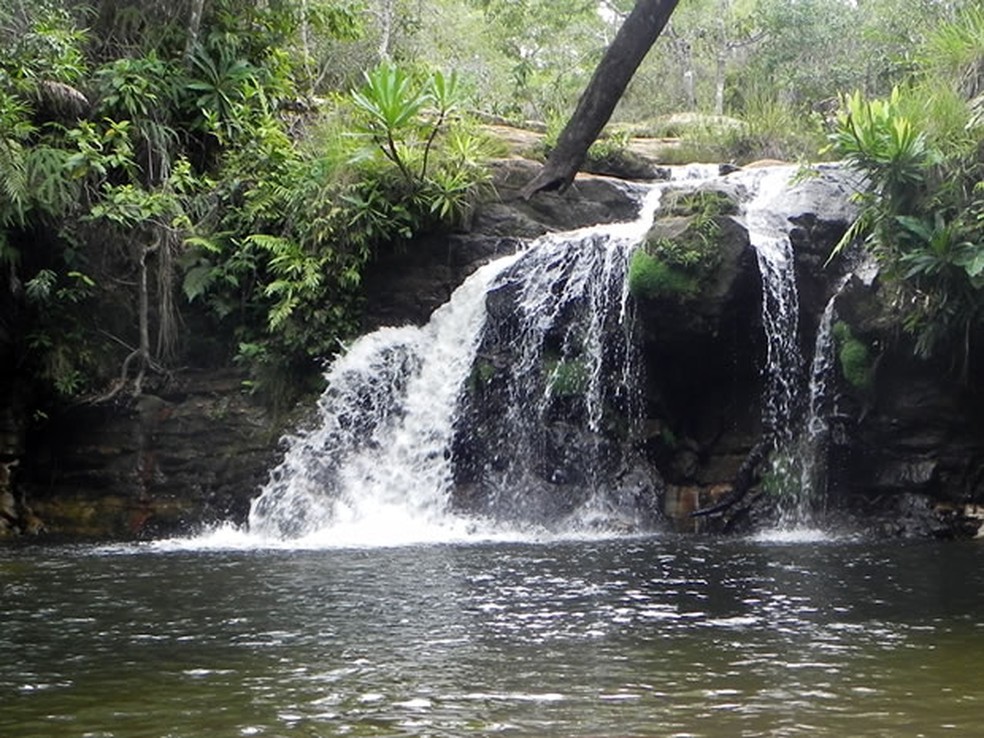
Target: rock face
(195, 453)
(408, 285)
(905, 454)
(544, 433)
(702, 354)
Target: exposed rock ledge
(907, 458)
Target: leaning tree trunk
(633, 40)
(194, 26)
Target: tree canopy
(206, 180)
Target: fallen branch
(746, 477)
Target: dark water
(638, 637)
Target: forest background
(202, 182)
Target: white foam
(794, 535)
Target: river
(649, 636)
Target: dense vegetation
(202, 180)
(921, 150)
(176, 176)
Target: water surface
(621, 637)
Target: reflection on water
(637, 637)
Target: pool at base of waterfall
(631, 636)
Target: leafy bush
(920, 152)
(285, 260)
(854, 357)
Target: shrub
(854, 357)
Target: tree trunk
(689, 77)
(386, 17)
(721, 58)
(719, 79)
(194, 26)
(633, 40)
(144, 318)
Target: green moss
(651, 278)
(854, 357)
(682, 250)
(481, 374)
(705, 205)
(566, 377)
(781, 477)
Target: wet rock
(195, 452)
(408, 284)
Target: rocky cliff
(905, 454)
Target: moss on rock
(854, 357)
(682, 249)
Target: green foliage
(286, 259)
(773, 129)
(676, 265)
(194, 165)
(782, 475)
(566, 377)
(49, 48)
(854, 357)
(704, 206)
(652, 278)
(546, 51)
(612, 145)
(402, 118)
(956, 50)
(878, 138)
(919, 150)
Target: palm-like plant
(392, 104)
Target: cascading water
(816, 427)
(382, 463)
(768, 233)
(556, 363)
(519, 403)
(795, 404)
(380, 452)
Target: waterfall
(812, 485)
(558, 367)
(379, 453)
(519, 405)
(795, 405)
(768, 233)
(382, 460)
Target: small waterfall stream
(768, 232)
(795, 403)
(811, 489)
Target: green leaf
(972, 260)
(197, 281)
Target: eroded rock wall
(905, 458)
(194, 453)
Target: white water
(794, 405)
(768, 232)
(816, 428)
(377, 468)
